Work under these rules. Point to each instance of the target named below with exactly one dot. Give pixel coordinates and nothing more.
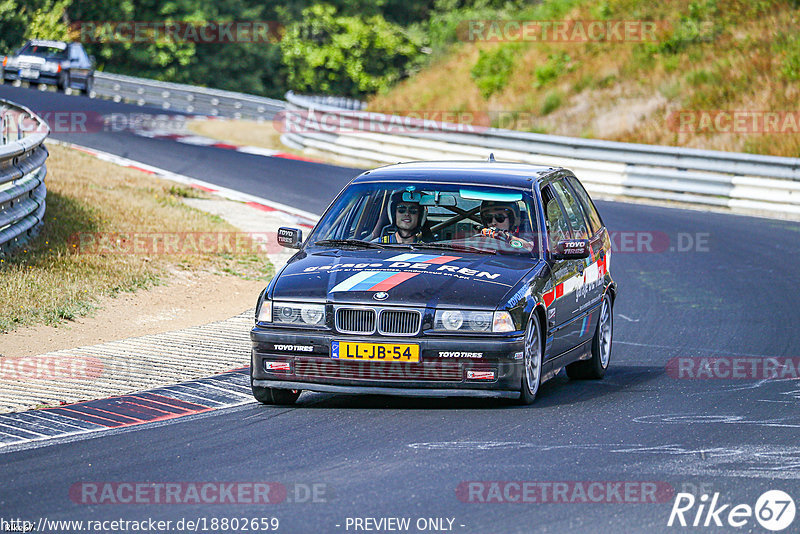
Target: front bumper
(45, 78)
(448, 366)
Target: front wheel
(596, 366)
(275, 396)
(87, 91)
(65, 83)
(532, 363)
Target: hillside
(707, 80)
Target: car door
(586, 287)
(76, 72)
(560, 308)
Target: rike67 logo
(774, 510)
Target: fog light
(277, 366)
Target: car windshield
(50, 52)
(431, 216)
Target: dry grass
(262, 134)
(750, 60)
(47, 281)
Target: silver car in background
(65, 65)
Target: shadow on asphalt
(559, 391)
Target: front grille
(399, 322)
(355, 320)
(407, 372)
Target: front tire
(597, 365)
(65, 83)
(532, 361)
(87, 91)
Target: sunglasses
(413, 210)
(499, 217)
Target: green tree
(346, 55)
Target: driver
(406, 218)
(501, 221)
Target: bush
(492, 70)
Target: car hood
(397, 277)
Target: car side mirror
(572, 249)
(290, 237)
(92, 60)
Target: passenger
(501, 221)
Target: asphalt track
(735, 295)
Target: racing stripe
(392, 281)
(424, 258)
(369, 277)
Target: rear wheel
(596, 366)
(275, 396)
(532, 362)
(87, 90)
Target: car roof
(484, 172)
(42, 42)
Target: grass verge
(49, 280)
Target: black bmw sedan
(440, 279)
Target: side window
(588, 207)
(82, 55)
(573, 210)
(73, 52)
(558, 229)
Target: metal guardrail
(22, 173)
(184, 98)
(706, 177)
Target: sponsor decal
(460, 354)
(412, 265)
(295, 348)
(581, 284)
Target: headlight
(10, 62)
(49, 66)
(300, 314)
(465, 321)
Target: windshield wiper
(451, 246)
(347, 242)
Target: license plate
(375, 352)
(29, 73)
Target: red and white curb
(199, 140)
(291, 214)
